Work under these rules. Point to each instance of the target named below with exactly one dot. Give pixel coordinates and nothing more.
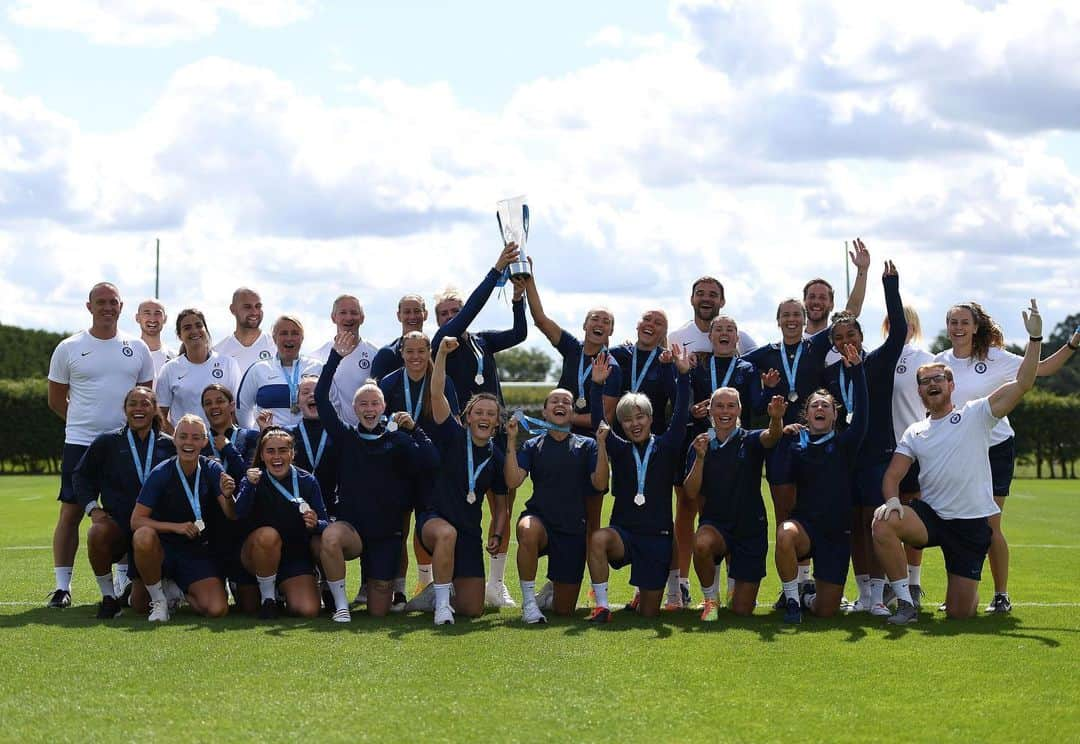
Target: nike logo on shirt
(85, 353)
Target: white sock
(268, 586)
(863, 582)
(673, 583)
(804, 575)
(600, 590)
(63, 577)
(423, 572)
(105, 584)
(914, 574)
(528, 593)
(498, 568)
(710, 591)
(900, 586)
(337, 588)
(877, 591)
(442, 596)
(122, 579)
(730, 585)
(399, 585)
(791, 589)
(155, 591)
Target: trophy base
(520, 269)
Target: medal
(582, 376)
(473, 473)
(391, 426)
(580, 403)
(849, 417)
(791, 370)
(294, 408)
(479, 379)
(793, 396)
(471, 498)
(303, 507)
(847, 393)
(200, 525)
(640, 499)
(292, 379)
(192, 493)
(642, 464)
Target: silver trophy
(513, 218)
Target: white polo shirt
(907, 406)
(354, 371)
(262, 349)
(180, 383)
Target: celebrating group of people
(252, 468)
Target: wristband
(89, 509)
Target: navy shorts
(380, 557)
(910, 483)
(295, 560)
(1002, 464)
(565, 553)
(71, 456)
(867, 482)
(231, 567)
(746, 557)
(649, 557)
(778, 463)
(964, 542)
(830, 556)
(468, 551)
(186, 566)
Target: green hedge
(31, 436)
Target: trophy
(513, 218)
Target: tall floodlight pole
(157, 268)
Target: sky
(309, 149)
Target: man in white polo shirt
(89, 375)
(248, 343)
(954, 478)
(347, 314)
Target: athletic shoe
(710, 611)
(916, 595)
(599, 615)
(532, 615)
(173, 595)
(806, 593)
(792, 611)
(268, 610)
(397, 604)
(781, 602)
(497, 595)
(361, 596)
(880, 610)
(847, 606)
(858, 606)
(342, 616)
(673, 604)
(444, 616)
(422, 602)
(59, 599)
(108, 608)
(632, 605)
(545, 598)
(942, 608)
(905, 614)
(1000, 604)
(159, 611)
(684, 590)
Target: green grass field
(67, 676)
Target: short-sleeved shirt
(692, 338)
(561, 474)
(262, 349)
(571, 350)
(954, 472)
(354, 371)
(907, 405)
(265, 388)
(167, 500)
(977, 379)
(181, 383)
(99, 373)
(160, 356)
(731, 483)
(449, 495)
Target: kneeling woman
(643, 468)
(172, 522)
(377, 465)
(819, 526)
(724, 469)
(471, 466)
(284, 509)
(567, 472)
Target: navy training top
(265, 506)
(168, 502)
(731, 483)
(807, 375)
(561, 474)
(451, 485)
(658, 384)
(571, 350)
(107, 469)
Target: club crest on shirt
(980, 368)
(218, 373)
(955, 418)
(901, 369)
(127, 350)
(365, 363)
(264, 354)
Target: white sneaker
(880, 610)
(159, 612)
(342, 616)
(545, 598)
(531, 614)
(444, 616)
(173, 595)
(497, 595)
(422, 602)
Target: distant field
(67, 676)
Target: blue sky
(313, 148)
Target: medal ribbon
(142, 470)
(192, 496)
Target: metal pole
(157, 268)
(847, 270)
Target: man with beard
(247, 344)
(706, 299)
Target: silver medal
(200, 525)
(849, 417)
(580, 403)
(479, 379)
(640, 499)
(470, 498)
(792, 396)
(391, 426)
(303, 506)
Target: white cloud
(152, 22)
(9, 57)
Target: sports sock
(122, 579)
(804, 575)
(528, 593)
(673, 584)
(155, 591)
(105, 584)
(791, 589)
(399, 585)
(730, 585)
(423, 572)
(268, 586)
(877, 591)
(900, 587)
(710, 591)
(601, 594)
(442, 596)
(863, 582)
(337, 588)
(498, 568)
(63, 577)
(914, 574)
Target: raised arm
(1005, 398)
(344, 343)
(861, 258)
(458, 324)
(601, 473)
(501, 340)
(513, 473)
(777, 409)
(546, 325)
(680, 409)
(898, 327)
(440, 406)
(1057, 360)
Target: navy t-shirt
(807, 374)
(657, 382)
(731, 483)
(561, 474)
(168, 501)
(265, 506)
(451, 486)
(571, 350)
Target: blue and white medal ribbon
(390, 426)
(479, 379)
(582, 374)
(714, 440)
(791, 370)
(414, 412)
(642, 464)
(294, 495)
(292, 379)
(470, 471)
(804, 438)
(847, 393)
(635, 379)
(192, 496)
(230, 437)
(727, 375)
(535, 425)
(142, 470)
(316, 456)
